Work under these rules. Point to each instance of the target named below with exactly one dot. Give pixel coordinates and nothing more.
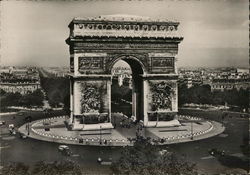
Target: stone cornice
(90, 76)
(124, 27)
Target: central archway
(137, 70)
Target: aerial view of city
(124, 87)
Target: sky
(215, 31)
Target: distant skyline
(216, 33)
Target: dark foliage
(10, 99)
(57, 168)
(32, 99)
(57, 89)
(16, 99)
(203, 95)
(43, 168)
(15, 169)
(144, 158)
(2, 92)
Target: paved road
(44, 73)
(230, 141)
(29, 151)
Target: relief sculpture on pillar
(90, 98)
(161, 94)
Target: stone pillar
(160, 100)
(175, 97)
(71, 101)
(91, 102)
(134, 107)
(145, 102)
(77, 98)
(109, 82)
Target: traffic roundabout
(54, 130)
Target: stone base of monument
(88, 127)
(158, 124)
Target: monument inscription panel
(159, 62)
(90, 63)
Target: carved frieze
(126, 26)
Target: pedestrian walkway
(54, 130)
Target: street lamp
(28, 128)
(192, 135)
(100, 134)
(157, 119)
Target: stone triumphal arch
(148, 46)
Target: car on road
(22, 136)
(21, 113)
(2, 123)
(12, 131)
(28, 119)
(163, 152)
(215, 152)
(11, 126)
(64, 149)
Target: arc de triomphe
(148, 46)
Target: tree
(43, 168)
(144, 158)
(2, 92)
(66, 106)
(243, 98)
(10, 99)
(56, 168)
(32, 99)
(56, 88)
(16, 169)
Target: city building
(229, 84)
(219, 79)
(21, 80)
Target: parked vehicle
(21, 113)
(12, 131)
(23, 136)
(28, 119)
(2, 123)
(216, 152)
(64, 149)
(164, 151)
(11, 126)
